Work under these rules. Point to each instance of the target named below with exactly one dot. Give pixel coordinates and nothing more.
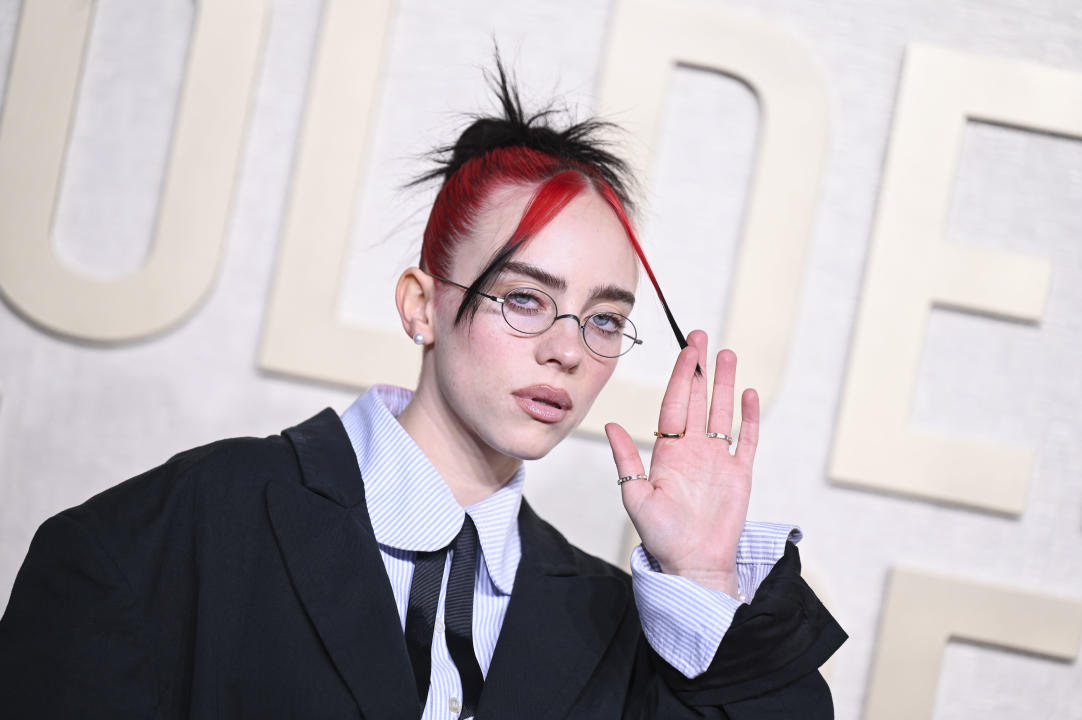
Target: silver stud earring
(419, 338)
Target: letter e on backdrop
(923, 612)
(910, 268)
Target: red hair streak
(464, 194)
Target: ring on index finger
(625, 478)
(723, 436)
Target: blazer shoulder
(234, 461)
(545, 544)
(222, 481)
(593, 565)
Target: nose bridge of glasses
(578, 321)
(582, 332)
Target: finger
(721, 400)
(749, 426)
(697, 400)
(673, 416)
(674, 405)
(628, 462)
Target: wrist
(727, 581)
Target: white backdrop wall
(77, 415)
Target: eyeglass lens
(533, 311)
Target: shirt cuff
(685, 622)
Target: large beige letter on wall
(193, 212)
(923, 612)
(911, 268)
(303, 335)
(647, 39)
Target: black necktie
(421, 616)
(458, 613)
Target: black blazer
(242, 579)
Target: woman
(384, 565)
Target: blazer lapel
(558, 625)
(333, 560)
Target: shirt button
(439, 627)
(454, 705)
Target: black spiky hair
(580, 144)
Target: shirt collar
(410, 505)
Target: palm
(691, 511)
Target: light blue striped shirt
(412, 509)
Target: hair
(520, 150)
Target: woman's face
(521, 394)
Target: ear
(415, 297)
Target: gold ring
(669, 435)
(625, 478)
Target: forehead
(585, 243)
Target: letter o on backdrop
(193, 212)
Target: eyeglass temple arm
(466, 288)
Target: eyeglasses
(531, 311)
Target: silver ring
(669, 435)
(723, 436)
(625, 478)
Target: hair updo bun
(579, 145)
(519, 150)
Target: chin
(531, 443)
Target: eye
(607, 323)
(524, 301)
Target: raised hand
(691, 509)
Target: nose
(562, 343)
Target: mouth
(544, 402)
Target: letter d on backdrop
(647, 40)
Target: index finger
(674, 405)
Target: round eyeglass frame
(634, 337)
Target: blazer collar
(333, 561)
(559, 623)
(327, 461)
(560, 620)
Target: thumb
(628, 462)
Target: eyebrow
(610, 292)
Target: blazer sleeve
(766, 667)
(71, 643)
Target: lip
(544, 403)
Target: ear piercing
(419, 338)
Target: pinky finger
(748, 439)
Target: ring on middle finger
(675, 436)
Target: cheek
(474, 357)
(597, 376)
